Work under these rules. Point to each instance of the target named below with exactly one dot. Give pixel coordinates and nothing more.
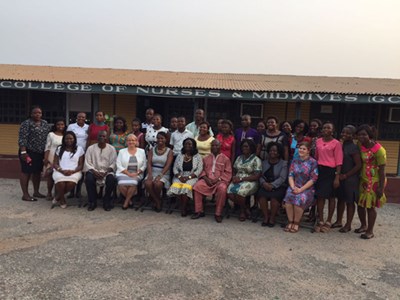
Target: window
(254, 110)
(13, 106)
(394, 115)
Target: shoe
(107, 208)
(198, 215)
(367, 236)
(54, 201)
(218, 219)
(63, 205)
(270, 225)
(264, 224)
(91, 207)
(124, 208)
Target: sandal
(295, 227)
(317, 228)
(344, 229)
(288, 227)
(336, 225)
(367, 236)
(360, 230)
(326, 227)
(31, 199)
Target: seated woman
(303, 174)
(131, 164)
(187, 168)
(68, 164)
(158, 169)
(204, 139)
(273, 183)
(247, 171)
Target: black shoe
(218, 219)
(198, 215)
(107, 208)
(91, 207)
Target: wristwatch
(190, 177)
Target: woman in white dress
(68, 165)
(54, 139)
(131, 164)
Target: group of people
(293, 164)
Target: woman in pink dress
(227, 139)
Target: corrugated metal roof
(220, 81)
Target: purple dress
(302, 171)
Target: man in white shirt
(194, 126)
(100, 165)
(179, 135)
(80, 128)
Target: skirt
(324, 185)
(36, 165)
(243, 189)
(58, 177)
(348, 190)
(123, 179)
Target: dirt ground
(75, 254)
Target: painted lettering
(271, 96)
(107, 88)
(321, 97)
(335, 97)
(237, 95)
(5, 84)
(350, 98)
(172, 92)
(86, 87)
(157, 91)
(20, 85)
(120, 88)
(32, 85)
(214, 94)
(282, 96)
(394, 99)
(186, 92)
(44, 86)
(73, 87)
(145, 90)
(378, 99)
(298, 96)
(200, 93)
(59, 86)
(260, 96)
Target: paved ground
(76, 254)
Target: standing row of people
(268, 162)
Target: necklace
(160, 152)
(187, 158)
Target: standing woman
(94, 128)
(314, 133)
(261, 127)
(54, 139)
(286, 128)
(349, 179)
(131, 164)
(187, 168)
(68, 165)
(204, 139)
(329, 155)
(152, 131)
(118, 137)
(272, 134)
(247, 172)
(32, 141)
(227, 139)
(303, 174)
(158, 170)
(137, 131)
(298, 136)
(273, 183)
(372, 180)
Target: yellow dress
(204, 147)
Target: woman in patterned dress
(303, 174)
(247, 172)
(131, 164)
(152, 131)
(272, 134)
(117, 139)
(158, 169)
(187, 168)
(372, 180)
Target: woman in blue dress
(303, 174)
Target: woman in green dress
(372, 180)
(247, 171)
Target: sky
(355, 38)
